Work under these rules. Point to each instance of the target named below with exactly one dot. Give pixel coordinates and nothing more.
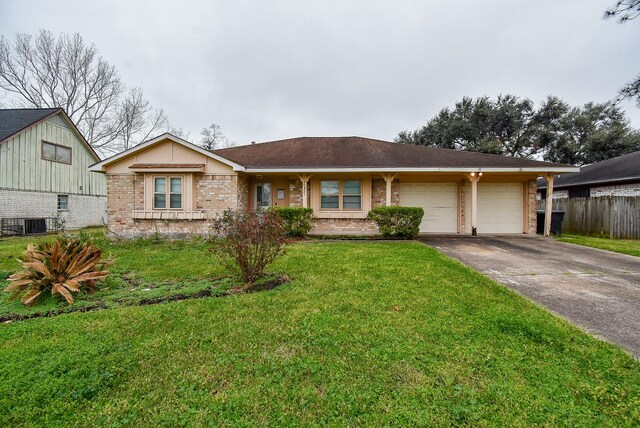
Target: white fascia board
(167, 169)
(593, 182)
(99, 167)
(470, 169)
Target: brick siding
(532, 206)
(213, 195)
(379, 193)
(243, 193)
(632, 189)
(462, 189)
(83, 210)
(560, 194)
(344, 226)
(295, 193)
(216, 193)
(125, 193)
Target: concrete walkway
(598, 290)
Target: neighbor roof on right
(625, 168)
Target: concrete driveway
(597, 290)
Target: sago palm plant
(61, 267)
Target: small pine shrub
(59, 267)
(397, 222)
(248, 241)
(297, 221)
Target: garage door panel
(500, 207)
(439, 201)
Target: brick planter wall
(344, 226)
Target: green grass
(624, 246)
(144, 269)
(366, 333)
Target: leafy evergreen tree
(512, 126)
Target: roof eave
(168, 169)
(555, 169)
(592, 182)
(102, 166)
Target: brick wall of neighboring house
(343, 226)
(379, 193)
(557, 194)
(532, 205)
(83, 210)
(560, 194)
(632, 189)
(213, 194)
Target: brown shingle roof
(358, 152)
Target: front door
(262, 195)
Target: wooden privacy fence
(612, 216)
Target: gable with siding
(23, 168)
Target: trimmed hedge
(297, 221)
(397, 222)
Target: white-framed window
(56, 152)
(167, 192)
(63, 202)
(343, 195)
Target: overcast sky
(266, 70)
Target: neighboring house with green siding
(44, 173)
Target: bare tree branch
(624, 10)
(63, 71)
(213, 138)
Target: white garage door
(439, 201)
(500, 207)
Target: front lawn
(144, 269)
(624, 246)
(366, 333)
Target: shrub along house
(171, 186)
(44, 173)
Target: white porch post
(304, 178)
(548, 207)
(388, 178)
(474, 177)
